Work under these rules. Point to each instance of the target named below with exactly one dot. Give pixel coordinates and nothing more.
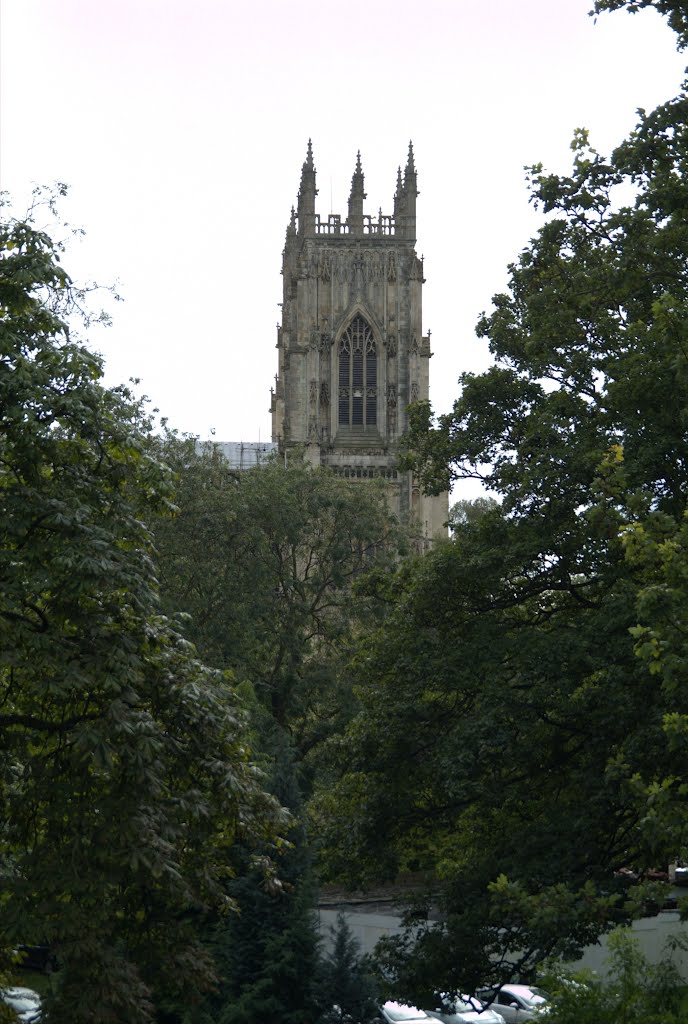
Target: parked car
(399, 1013)
(24, 1001)
(681, 875)
(517, 1003)
(465, 1010)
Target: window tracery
(358, 376)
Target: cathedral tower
(351, 352)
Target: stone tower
(352, 354)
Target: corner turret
(307, 194)
(356, 198)
(405, 199)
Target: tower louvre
(351, 352)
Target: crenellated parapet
(402, 222)
(382, 225)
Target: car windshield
(536, 997)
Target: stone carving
(324, 393)
(415, 391)
(325, 342)
(392, 268)
(314, 391)
(392, 346)
(414, 348)
(357, 267)
(392, 396)
(371, 265)
(315, 339)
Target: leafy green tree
(476, 764)
(522, 721)
(657, 548)
(264, 562)
(267, 955)
(267, 565)
(464, 511)
(125, 779)
(634, 990)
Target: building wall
(367, 929)
(653, 934)
(245, 454)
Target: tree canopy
(522, 740)
(635, 990)
(506, 715)
(126, 780)
(268, 565)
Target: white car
(399, 1013)
(24, 1001)
(465, 1010)
(518, 1003)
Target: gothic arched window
(357, 376)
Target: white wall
(652, 934)
(366, 928)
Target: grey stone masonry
(351, 351)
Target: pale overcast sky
(181, 127)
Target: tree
(267, 954)
(126, 782)
(522, 679)
(349, 992)
(265, 562)
(475, 767)
(634, 990)
(267, 566)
